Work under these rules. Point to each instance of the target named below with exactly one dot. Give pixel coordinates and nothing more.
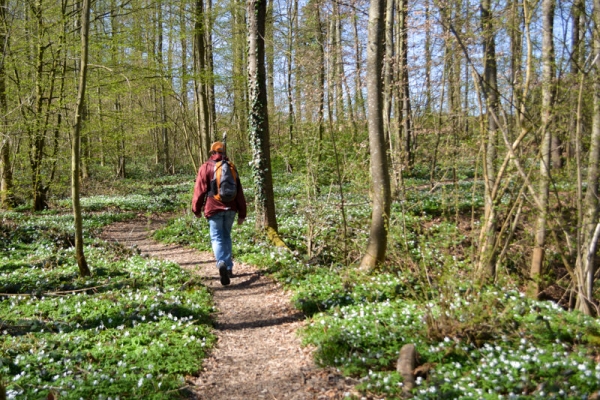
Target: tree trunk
(321, 51)
(376, 247)
(545, 147)
(6, 185)
(75, 152)
(290, 65)
(201, 93)
(388, 58)
(240, 104)
(210, 73)
(428, 51)
(403, 82)
(577, 61)
(516, 59)
(487, 237)
(166, 159)
(259, 117)
(270, 57)
(587, 253)
(330, 71)
(117, 108)
(361, 112)
(338, 66)
(6, 182)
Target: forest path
(258, 354)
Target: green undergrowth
(474, 342)
(134, 329)
(158, 195)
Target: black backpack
(223, 185)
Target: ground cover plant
(132, 330)
(474, 341)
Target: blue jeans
(220, 236)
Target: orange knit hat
(217, 147)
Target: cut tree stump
(406, 365)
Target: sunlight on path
(258, 355)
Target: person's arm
(200, 191)
(240, 202)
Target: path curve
(258, 354)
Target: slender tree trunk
(270, 56)
(102, 154)
(321, 54)
(361, 112)
(428, 51)
(298, 103)
(290, 66)
(577, 61)
(240, 104)
(331, 71)
(6, 182)
(210, 72)
(387, 72)
(201, 71)
(259, 118)
(545, 147)
(376, 247)
(516, 55)
(487, 238)
(339, 66)
(118, 110)
(6, 186)
(75, 152)
(591, 226)
(166, 159)
(404, 85)
(183, 94)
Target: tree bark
(75, 151)
(47, 73)
(428, 51)
(270, 57)
(388, 58)
(487, 237)
(587, 254)
(338, 66)
(361, 112)
(376, 246)
(6, 182)
(545, 147)
(406, 364)
(259, 117)
(210, 72)
(201, 71)
(292, 14)
(403, 81)
(166, 159)
(240, 104)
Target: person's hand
(241, 220)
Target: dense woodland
(492, 106)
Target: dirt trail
(258, 354)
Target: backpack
(223, 186)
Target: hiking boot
(230, 273)
(223, 273)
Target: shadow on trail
(260, 323)
(254, 277)
(261, 316)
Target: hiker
(218, 209)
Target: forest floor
(258, 353)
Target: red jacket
(210, 205)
